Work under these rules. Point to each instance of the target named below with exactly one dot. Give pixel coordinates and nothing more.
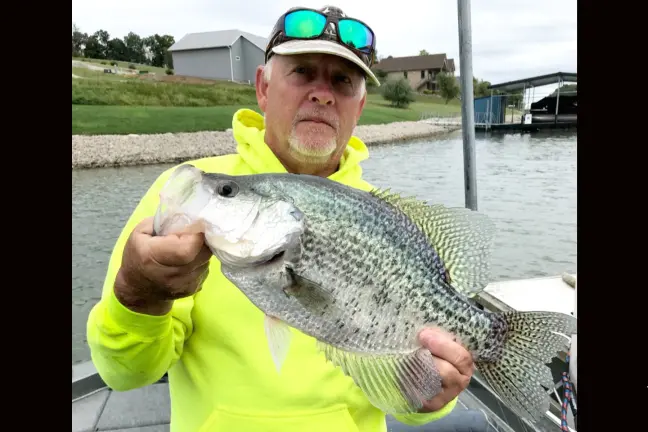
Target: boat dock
(95, 407)
(504, 109)
(554, 111)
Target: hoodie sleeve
(421, 419)
(130, 349)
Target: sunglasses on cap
(305, 24)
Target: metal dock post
(467, 102)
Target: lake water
(525, 182)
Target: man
(167, 307)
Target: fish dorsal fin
(460, 236)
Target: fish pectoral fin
(394, 383)
(307, 292)
(278, 335)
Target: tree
(135, 48)
(480, 88)
(117, 50)
(423, 52)
(159, 46)
(398, 92)
(448, 87)
(79, 41)
(152, 50)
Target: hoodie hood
(248, 128)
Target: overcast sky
(511, 38)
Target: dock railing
(444, 119)
(483, 120)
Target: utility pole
(467, 102)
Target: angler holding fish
(286, 302)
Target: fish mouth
(274, 258)
(233, 261)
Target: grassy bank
(97, 119)
(121, 64)
(142, 104)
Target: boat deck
(147, 410)
(97, 408)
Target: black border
(610, 396)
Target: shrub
(398, 92)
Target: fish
(363, 273)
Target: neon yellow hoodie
(213, 345)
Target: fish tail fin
(517, 368)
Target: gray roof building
(231, 55)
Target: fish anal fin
(394, 383)
(279, 336)
(461, 237)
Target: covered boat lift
(538, 116)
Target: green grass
(101, 120)
(121, 64)
(95, 119)
(117, 104)
(142, 92)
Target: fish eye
(228, 189)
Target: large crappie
(364, 273)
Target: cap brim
(319, 46)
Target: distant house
(222, 55)
(419, 70)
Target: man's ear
(261, 89)
(361, 107)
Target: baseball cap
(324, 31)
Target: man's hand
(454, 362)
(156, 270)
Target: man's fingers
(174, 250)
(177, 251)
(451, 377)
(187, 284)
(442, 345)
(145, 227)
(204, 255)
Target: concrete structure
(420, 70)
(231, 55)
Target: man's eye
(300, 69)
(343, 78)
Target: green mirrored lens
(304, 24)
(355, 34)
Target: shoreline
(103, 151)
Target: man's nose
(322, 94)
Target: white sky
(511, 39)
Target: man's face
(312, 103)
